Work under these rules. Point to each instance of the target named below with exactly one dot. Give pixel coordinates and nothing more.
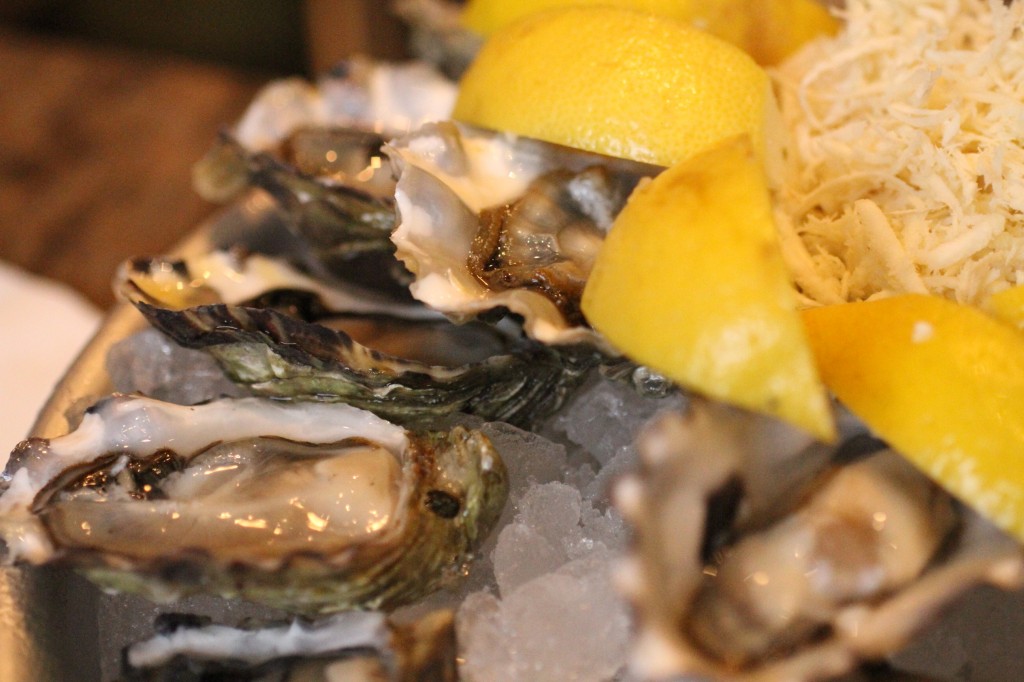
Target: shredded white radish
(905, 164)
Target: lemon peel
(768, 30)
(621, 83)
(691, 282)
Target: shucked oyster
(759, 557)
(316, 150)
(298, 339)
(307, 507)
(357, 646)
(490, 220)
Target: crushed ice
(552, 612)
(151, 364)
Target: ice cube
(529, 458)
(523, 554)
(605, 416)
(553, 510)
(566, 625)
(150, 363)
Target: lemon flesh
(767, 30)
(620, 83)
(1008, 305)
(690, 281)
(942, 383)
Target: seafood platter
(369, 423)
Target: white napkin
(43, 325)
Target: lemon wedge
(691, 282)
(621, 83)
(1008, 305)
(768, 30)
(943, 383)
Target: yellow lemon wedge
(620, 83)
(943, 383)
(768, 30)
(1008, 306)
(691, 282)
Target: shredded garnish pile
(905, 167)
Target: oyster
(403, 362)
(316, 150)
(237, 277)
(386, 98)
(341, 211)
(354, 646)
(307, 507)
(490, 220)
(437, 34)
(836, 557)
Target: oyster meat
(404, 362)
(494, 221)
(308, 507)
(735, 576)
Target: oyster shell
(387, 98)
(437, 34)
(237, 277)
(291, 340)
(489, 220)
(307, 507)
(836, 558)
(316, 150)
(341, 212)
(357, 646)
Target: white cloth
(43, 325)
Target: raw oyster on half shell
(341, 211)
(357, 646)
(494, 221)
(360, 98)
(316, 149)
(282, 335)
(761, 556)
(308, 507)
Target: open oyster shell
(342, 216)
(298, 340)
(494, 221)
(307, 507)
(316, 150)
(437, 34)
(387, 98)
(357, 646)
(348, 111)
(762, 557)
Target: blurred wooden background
(106, 104)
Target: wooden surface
(96, 147)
